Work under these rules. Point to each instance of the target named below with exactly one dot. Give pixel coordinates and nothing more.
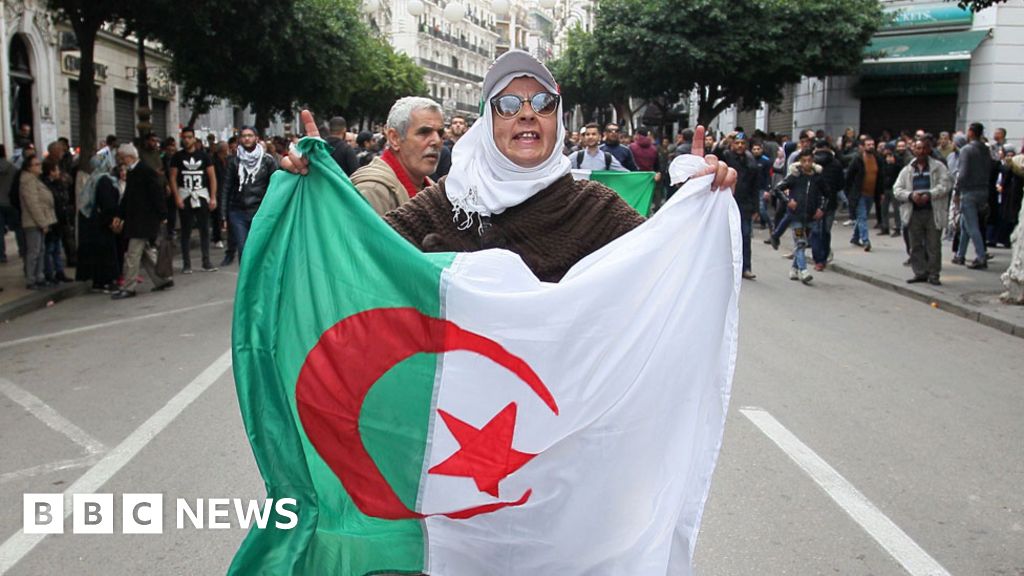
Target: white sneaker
(218, 244)
(794, 274)
(788, 255)
(848, 223)
(805, 276)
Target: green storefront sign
(927, 16)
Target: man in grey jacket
(922, 188)
(973, 180)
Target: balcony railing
(438, 67)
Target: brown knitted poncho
(551, 231)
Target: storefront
(915, 75)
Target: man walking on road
(246, 180)
(194, 186)
(973, 181)
(863, 183)
(748, 174)
(923, 189)
(143, 210)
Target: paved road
(914, 410)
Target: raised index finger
(308, 124)
(697, 146)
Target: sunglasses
(509, 105)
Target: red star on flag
(486, 454)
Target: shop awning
(918, 54)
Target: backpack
(607, 159)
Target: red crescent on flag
(348, 360)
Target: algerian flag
(450, 414)
(636, 188)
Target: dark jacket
(748, 173)
(343, 154)
(832, 173)
(808, 191)
(143, 206)
(855, 179)
(975, 168)
(622, 154)
(249, 195)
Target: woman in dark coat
(97, 250)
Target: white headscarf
(484, 181)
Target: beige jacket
(36, 202)
(941, 184)
(378, 183)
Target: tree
(977, 5)
(383, 77)
(86, 17)
(664, 46)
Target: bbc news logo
(144, 513)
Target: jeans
(799, 244)
(860, 229)
(35, 255)
(762, 210)
(198, 218)
(746, 229)
(240, 221)
(821, 237)
(970, 228)
(53, 266)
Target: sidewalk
(972, 294)
(16, 300)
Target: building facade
(39, 78)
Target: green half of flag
(317, 254)
(636, 188)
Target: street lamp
(500, 7)
(370, 6)
(416, 8)
(454, 12)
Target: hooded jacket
(809, 191)
(645, 153)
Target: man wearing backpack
(592, 157)
(342, 153)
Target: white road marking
(20, 544)
(48, 468)
(70, 331)
(894, 540)
(50, 417)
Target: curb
(40, 299)
(944, 303)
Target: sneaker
(830, 258)
(896, 233)
(227, 261)
(934, 282)
(957, 260)
(748, 275)
(767, 240)
(122, 294)
(856, 242)
(819, 267)
(848, 223)
(989, 256)
(186, 270)
(774, 240)
(794, 274)
(788, 255)
(978, 265)
(218, 244)
(867, 246)
(208, 268)
(164, 286)
(805, 276)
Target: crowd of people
(925, 188)
(961, 187)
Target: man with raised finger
(415, 132)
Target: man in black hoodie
(745, 193)
(342, 153)
(821, 230)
